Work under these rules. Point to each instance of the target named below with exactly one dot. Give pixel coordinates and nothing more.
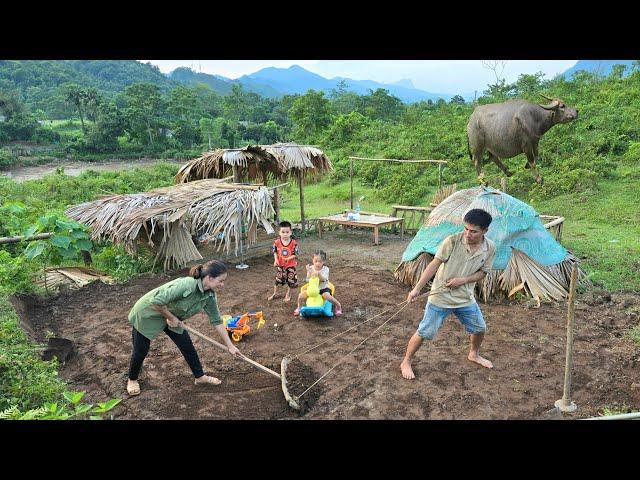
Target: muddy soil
(526, 345)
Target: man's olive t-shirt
(458, 261)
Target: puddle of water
(74, 169)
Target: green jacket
(184, 297)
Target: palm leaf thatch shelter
(281, 160)
(528, 258)
(167, 218)
(251, 161)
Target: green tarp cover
(515, 224)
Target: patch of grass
(616, 410)
(634, 334)
(25, 380)
(603, 230)
(324, 199)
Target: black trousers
(141, 346)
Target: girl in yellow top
(164, 308)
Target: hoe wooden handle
(223, 347)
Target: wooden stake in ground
(565, 404)
(301, 185)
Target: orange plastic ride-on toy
(239, 325)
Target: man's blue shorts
(470, 316)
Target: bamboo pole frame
(352, 158)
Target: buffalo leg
(531, 154)
(502, 166)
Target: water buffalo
(513, 127)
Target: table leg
(394, 213)
(319, 229)
(402, 229)
(375, 236)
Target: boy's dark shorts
(287, 276)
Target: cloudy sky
(437, 76)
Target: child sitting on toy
(319, 269)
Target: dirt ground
(526, 345)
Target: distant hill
(275, 82)
(222, 85)
(38, 81)
(217, 83)
(296, 79)
(601, 67)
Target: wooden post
(351, 179)
(276, 203)
(236, 175)
(503, 184)
(301, 185)
(86, 257)
(439, 176)
(565, 404)
(394, 212)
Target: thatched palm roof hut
(167, 218)
(528, 258)
(222, 162)
(280, 160)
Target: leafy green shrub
(25, 380)
(68, 240)
(16, 274)
(69, 408)
(6, 159)
(45, 135)
(113, 260)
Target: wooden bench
(405, 210)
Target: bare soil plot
(526, 345)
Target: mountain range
(275, 82)
(38, 81)
(601, 67)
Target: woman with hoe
(164, 308)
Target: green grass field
(67, 128)
(324, 199)
(602, 229)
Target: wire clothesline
(363, 341)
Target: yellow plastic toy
(238, 326)
(316, 305)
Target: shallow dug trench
(526, 345)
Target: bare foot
(482, 361)
(271, 297)
(287, 299)
(133, 387)
(407, 371)
(207, 379)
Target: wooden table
(369, 220)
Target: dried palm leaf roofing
(170, 216)
(527, 257)
(279, 160)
